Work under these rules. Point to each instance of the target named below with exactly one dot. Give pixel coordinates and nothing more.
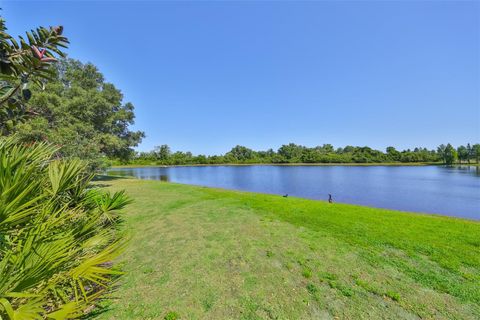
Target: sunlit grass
(202, 253)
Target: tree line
(294, 153)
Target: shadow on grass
(102, 177)
(100, 307)
(99, 178)
(99, 310)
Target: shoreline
(246, 192)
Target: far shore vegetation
(302, 155)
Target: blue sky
(205, 76)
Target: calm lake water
(453, 191)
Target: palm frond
(58, 236)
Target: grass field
(203, 253)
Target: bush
(58, 234)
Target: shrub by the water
(58, 235)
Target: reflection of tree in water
(164, 177)
(475, 170)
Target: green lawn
(207, 253)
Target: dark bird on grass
(330, 199)
(285, 195)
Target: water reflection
(466, 169)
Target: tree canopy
(82, 114)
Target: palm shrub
(58, 234)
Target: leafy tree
(463, 153)
(310, 156)
(348, 149)
(22, 62)
(476, 152)
(265, 156)
(162, 152)
(442, 153)
(82, 114)
(201, 159)
(393, 154)
(180, 157)
(470, 152)
(241, 153)
(450, 154)
(326, 148)
(291, 152)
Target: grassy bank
(206, 253)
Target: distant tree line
(293, 153)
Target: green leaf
(31, 39)
(6, 90)
(5, 305)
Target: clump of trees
(47, 97)
(82, 114)
(293, 153)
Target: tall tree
(470, 152)
(162, 152)
(450, 154)
(476, 152)
(82, 113)
(441, 152)
(393, 154)
(291, 152)
(241, 153)
(462, 152)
